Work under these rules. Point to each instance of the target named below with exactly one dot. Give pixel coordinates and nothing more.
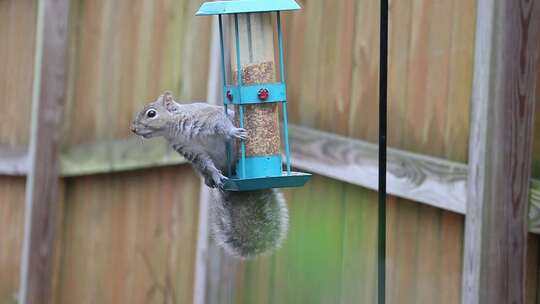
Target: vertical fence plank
(11, 225)
(506, 64)
(128, 237)
(213, 96)
(42, 181)
(17, 39)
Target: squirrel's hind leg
(215, 180)
(213, 177)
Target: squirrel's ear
(168, 101)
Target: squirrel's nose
(132, 128)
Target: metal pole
(383, 80)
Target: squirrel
(246, 223)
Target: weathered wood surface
(118, 155)
(532, 280)
(534, 207)
(425, 179)
(332, 56)
(428, 180)
(103, 157)
(129, 237)
(500, 151)
(11, 226)
(333, 87)
(205, 248)
(43, 155)
(329, 256)
(13, 160)
(17, 45)
(123, 54)
(17, 40)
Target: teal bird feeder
(255, 98)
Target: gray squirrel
(246, 224)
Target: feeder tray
(296, 179)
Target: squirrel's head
(156, 117)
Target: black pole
(383, 81)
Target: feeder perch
(256, 167)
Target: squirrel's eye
(151, 113)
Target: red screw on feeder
(229, 96)
(263, 94)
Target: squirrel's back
(249, 223)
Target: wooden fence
(128, 211)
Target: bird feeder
(255, 94)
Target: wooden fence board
(531, 280)
(424, 179)
(450, 252)
(48, 97)
(418, 118)
(358, 279)
(118, 155)
(426, 63)
(151, 45)
(320, 264)
(459, 91)
(58, 241)
(17, 40)
(506, 58)
(308, 267)
(356, 162)
(400, 16)
(130, 237)
(401, 266)
(204, 257)
(425, 125)
(288, 262)
(255, 278)
(13, 160)
(534, 208)
(223, 276)
(146, 41)
(11, 226)
(344, 159)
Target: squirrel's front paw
(239, 133)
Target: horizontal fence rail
(429, 180)
(417, 177)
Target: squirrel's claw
(217, 181)
(208, 182)
(239, 133)
(220, 181)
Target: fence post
(42, 180)
(500, 146)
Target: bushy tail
(249, 223)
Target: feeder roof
(246, 6)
